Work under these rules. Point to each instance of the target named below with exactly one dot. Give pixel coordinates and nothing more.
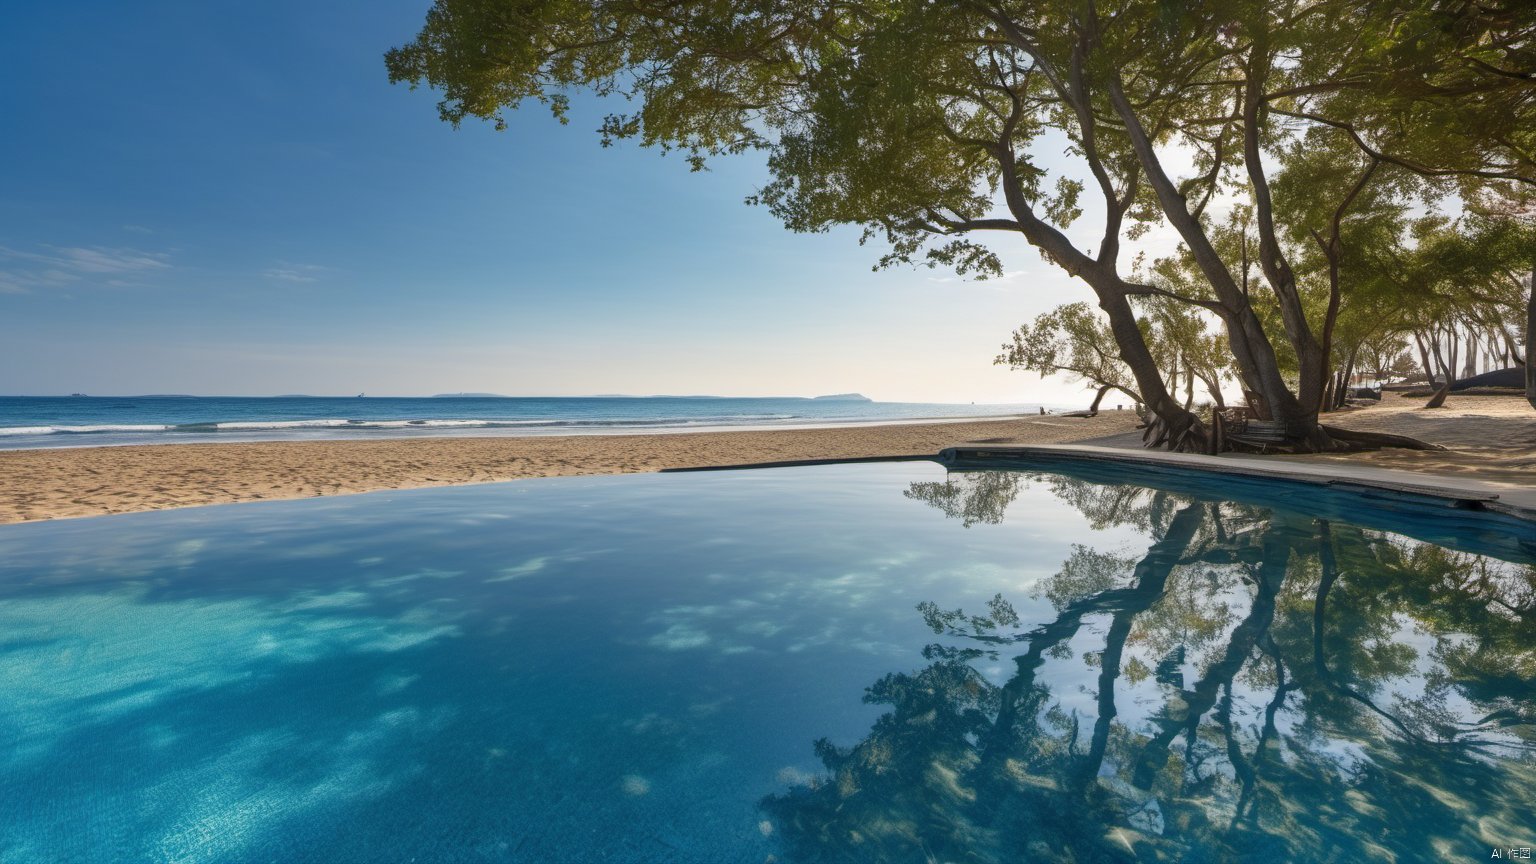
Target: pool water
(884, 662)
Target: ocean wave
(344, 424)
(81, 430)
(275, 424)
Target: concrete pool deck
(1458, 491)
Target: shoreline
(71, 482)
(1491, 439)
(553, 431)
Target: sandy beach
(1490, 438)
(91, 481)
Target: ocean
(77, 421)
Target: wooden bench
(1256, 433)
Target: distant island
(469, 396)
(843, 397)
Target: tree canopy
(925, 124)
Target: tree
(1186, 347)
(1385, 357)
(1457, 285)
(1513, 208)
(1071, 340)
(922, 122)
(1074, 341)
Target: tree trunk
(1429, 368)
(1512, 354)
(1213, 387)
(1175, 427)
(1343, 390)
(1298, 412)
(1258, 366)
(1447, 369)
(1094, 408)
(1530, 343)
(1450, 368)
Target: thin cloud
(285, 271)
(23, 270)
(98, 260)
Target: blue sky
(230, 198)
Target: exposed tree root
(1375, 440)
(1196, 437)
(1191, 437)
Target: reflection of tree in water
(1321, 692)
(976, 497)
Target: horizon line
(475, 395)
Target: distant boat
(359, 395)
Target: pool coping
(1461, 492)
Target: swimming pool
(881, 662)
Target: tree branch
(1502, 173)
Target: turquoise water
(58, 421)
(843, 663)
